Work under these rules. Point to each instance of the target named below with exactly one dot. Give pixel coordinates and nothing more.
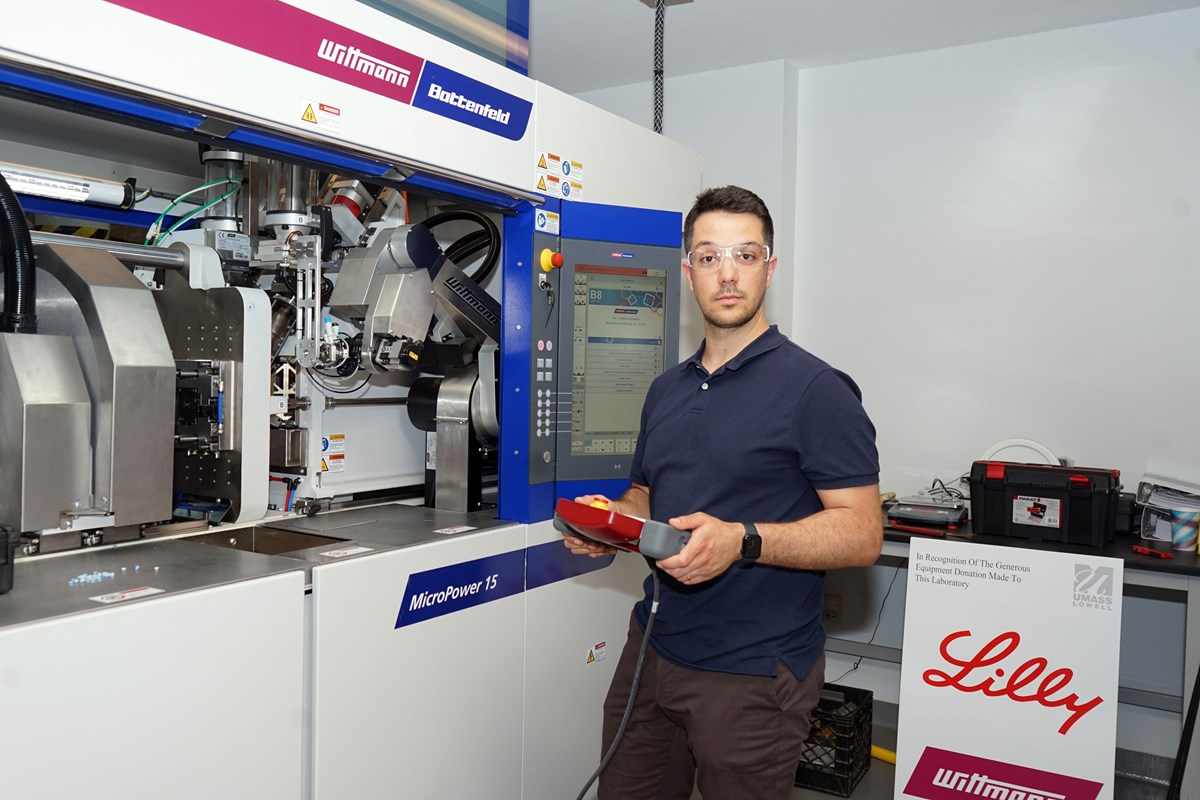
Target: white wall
(743, 122)
(1001, 241)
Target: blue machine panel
(581, 343)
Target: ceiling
(579, 45)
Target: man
(765, 454)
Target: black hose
(8, 254)
(465, 248)
(20, 279)
(489, 227)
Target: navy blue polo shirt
(753, 442)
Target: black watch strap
(751, 543)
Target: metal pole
(133, 255)
(333, 402)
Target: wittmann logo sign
(310, 43)
(335, 51)
(947, 775)
(354, 59)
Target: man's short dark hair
(732, 200)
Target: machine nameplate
(325, 48)
(457, 587)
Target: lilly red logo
(946, 775)
(1028, 682)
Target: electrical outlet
(832, 611)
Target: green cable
(196, 211)
(177, 200)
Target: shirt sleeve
(834, 437)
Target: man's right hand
(585, 547)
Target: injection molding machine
(309, 318)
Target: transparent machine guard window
(481, 26)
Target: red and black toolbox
(1075, 505)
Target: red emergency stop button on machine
(551, 260)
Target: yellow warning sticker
(596, 652)
(324, 465)
(327, 117)
(559, 176)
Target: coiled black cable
(471, 243)
(466, 247)
(20, 279)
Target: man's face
(729, 297)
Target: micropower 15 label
(1044, 512)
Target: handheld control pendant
(596, 523)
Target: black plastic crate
(837, 753)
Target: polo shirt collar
(770, 339)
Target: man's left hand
(713, 547)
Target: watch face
(751, 545)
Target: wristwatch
(751, 543)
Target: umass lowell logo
(947, 775)
(1093, 587)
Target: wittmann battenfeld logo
(470, 106)
(464, 99)
(947, 775)
(352, 58)
(348, 56)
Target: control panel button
(549, 260)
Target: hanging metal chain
(660, 14)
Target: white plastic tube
(65, 186)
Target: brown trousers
(739, 736)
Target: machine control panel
(544, 356)
(611, 331)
